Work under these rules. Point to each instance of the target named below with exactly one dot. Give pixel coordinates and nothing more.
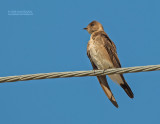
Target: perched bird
(103, 55)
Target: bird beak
(85, 28)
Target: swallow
(102, 54)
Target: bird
(102, 54)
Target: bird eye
(92, 24)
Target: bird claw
(104, 70)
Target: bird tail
(127, 89)
(104, 84)
(118, 78)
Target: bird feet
(104, 70)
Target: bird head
(94, 26)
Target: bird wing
(111, 49)
(103, 82)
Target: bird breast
(99, 55)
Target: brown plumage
(103, 55)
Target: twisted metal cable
(79, 73)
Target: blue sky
(52, 40)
